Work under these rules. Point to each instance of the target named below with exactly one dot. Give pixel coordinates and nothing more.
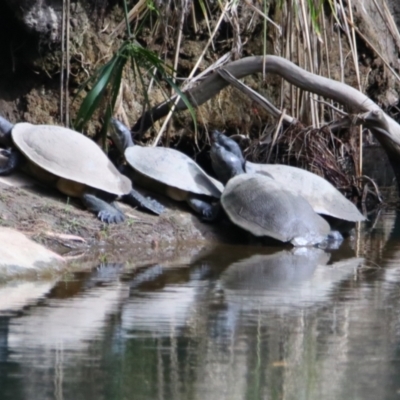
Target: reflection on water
(237, 323)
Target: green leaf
(92, 99)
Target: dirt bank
(62, 225)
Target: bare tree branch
(386, 130)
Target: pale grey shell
(323, 197)
(172, 168)
(285, 269)
(70, 155)
(263, 207)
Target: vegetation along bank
(312, 90)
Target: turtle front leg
(5, 132)
(14, 161)
(135, 199)
(208, 212)
(106, 212)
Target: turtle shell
(70, 155)
(263, 207)
(323, 197)
(173, 169)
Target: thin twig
(274, 137)
(261, 100)
(199, 60)
(278, 28)
(377, 192)
(67, 26)
(338, 110)
(136, 10)
(61, 111)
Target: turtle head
(226, 165)
(215, 136)
(121, 135)
(5, 132)
(229, 145)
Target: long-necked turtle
(264, 207)
(168, 171)
(73, 163)
(323, 197)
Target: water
(237, 323)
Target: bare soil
(62, 225)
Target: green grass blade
(92, 99)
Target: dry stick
(377, 192)
(355, 60)
(338, 110)
(353, 44)
(61, 111)
(237, 44)
(354, 28)
(309, 54)
(67, 26)
(351, 37)
(283, 51)
(119, 107)
(387, 17)
(303, 79)
(194, 21)
(221, 61)
(205, 15)
(265, 16)
(382, 126)
(136, 10)
(293, 92)
(339, 36)
(217, 64)
(179, 41)
(178, 98)
(278, 127)
(378, 53)
(255, 96)
(326, 51)
(178, 46)
(264, 34)
(300, 55)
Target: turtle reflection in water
(264, 207)
(169, 172)
(323, 197)
(73, 164)
(285, 279)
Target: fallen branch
(385, 129)
(256, 97)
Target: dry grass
(321, 37)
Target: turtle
(323, 197)
(72, 163)
(264, 207)
(226, 157)
(169, 172)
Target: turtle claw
(13, 162)
(211, 213)
(110, 218)
(105, 212)
(208, 212)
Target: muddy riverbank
(62, 225)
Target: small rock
(20, 255)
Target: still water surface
(235, 323)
